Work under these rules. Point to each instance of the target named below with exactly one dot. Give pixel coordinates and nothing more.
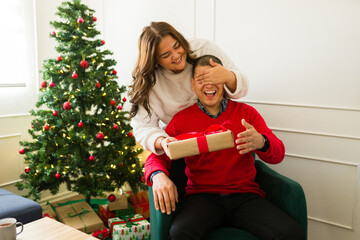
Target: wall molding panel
(312, 158)
(315, 133)
(58, 197)
(10, 183)
(332, 223)
(301, 105)
(349, 203)
(15, 115)
(11, 135)
(6, 85)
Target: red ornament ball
(102, 42)
(84, 64)
(94, 19)
(124, 99)
(80, 124)
(112, 197)
(46, 127)
(97, 85)
(112, 102)
(80, 20)
(114, 72)
(74, 75)
(59, 58)
(116, 127)
(43, 84)
(52, 84)
(55, 113)
(67, 105)
(100, 136)
(91, 158)
(130, 134)
(27, 170)
(120, 107)
(57, 175)
(53, 34)
(22, 151)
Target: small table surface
(47, 228)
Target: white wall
(15, 103)
(302, 59)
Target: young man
(221, 188)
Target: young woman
(161, 81)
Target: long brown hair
(144, 71)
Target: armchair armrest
(160, 223)
(283, 192)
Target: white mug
(8, 228)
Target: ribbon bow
(130, 223)
(79, 213)
(215, 128)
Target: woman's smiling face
(171, 55)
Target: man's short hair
(204, 61)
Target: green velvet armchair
(280, 190)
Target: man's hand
(165, 193)
(164, 144)
(249, 139)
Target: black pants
(202, 213)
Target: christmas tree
(81, 133)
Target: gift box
(131, 227)
(104, 213)
(140, 201)
(117, 202)
(208, 141)
(48, 211)
(79, 216)
(122, 212)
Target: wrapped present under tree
(129, 227)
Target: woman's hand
(217, 74)
(165, 193)
(249, 140)
(164, 144)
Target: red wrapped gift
(105, 213)
(215, 138)
(102, 234)
(140, 201)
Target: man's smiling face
(210, 95)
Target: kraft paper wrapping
(121, 202)
(189, 147)
(80, 216)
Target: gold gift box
(189, 147)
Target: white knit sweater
(172, 93)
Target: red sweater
(224, 171)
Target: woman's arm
(147, 131)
